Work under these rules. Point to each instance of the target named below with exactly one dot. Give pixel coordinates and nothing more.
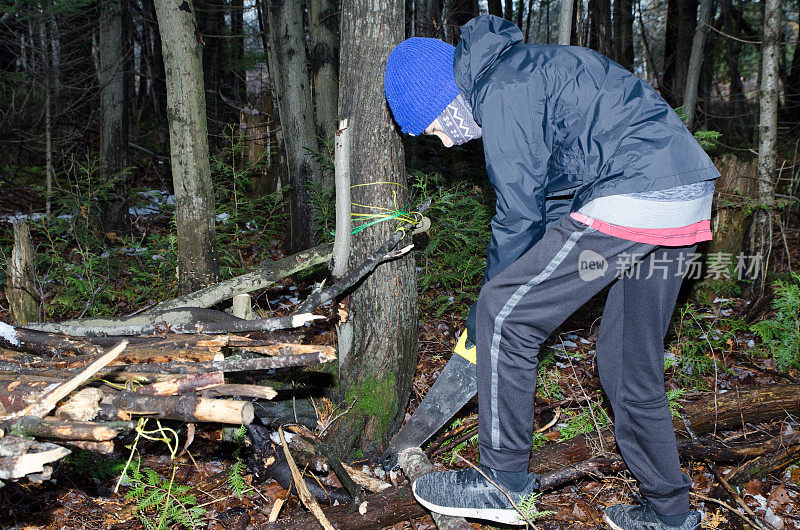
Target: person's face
(436, 129)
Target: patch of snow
(751, 343)
(584, 341)
(251, 225)
(9, 334)
(721, 300)
(20, 216)
(277, 439)
(569, 344)
(223, 217)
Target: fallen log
(49, 401)
(725, 412)
(179, 385)
(22, 456)
(63, 430)
(260, 278)
(41, 343)
(250, 391)
(781, 453)
(104, 448)
(187, 408)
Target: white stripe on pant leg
(494, 352)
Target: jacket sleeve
(517, 146)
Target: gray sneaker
(467, 493)
(642, 517)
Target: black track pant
(520, 307)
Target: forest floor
(709, 347)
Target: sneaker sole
(510, 517)
(611, 523)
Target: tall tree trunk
(600, 26)
(323, 21)
(520, 12)
(681, 22)
(428, 19)
(565, 22)
(767, 136)
(623, 33)
(377, 353)
(695, 61)
(508, 10)
(188, 134)
(737, 100)
(790, 112)
(495, 7)
(459, 12)
(237, 70)
(209, 15)
(158, 76)
(293, 90)
(114, 110)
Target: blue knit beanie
(419, 82)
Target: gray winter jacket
(565, 124)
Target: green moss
(375, 398)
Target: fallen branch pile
(82, 383)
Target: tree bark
(623, 33)
(114, 110)
(293, 90)
(20, 288)
(734, 194)
(323, 20)
(459, 12)
(695, 62)
(428, 19)
(158, 75)
(495, 8)
(681, 22)
(767, 138)
(415, 464)
(191, 172)
(740, 122)
(565, 22)
(600, 26)
(377, 365)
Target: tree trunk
(737, 100)
(681, 22)
(158, 77)
(623, 33)
(565, 22)
(293, 90)
(114, 110)
(191, 173)
(378, 348)
(459, 12)
(734, 194)
(323, 21)
(600, 26)
(790, 112)
(237, 70)
(20, 289)
(767, 138)
(496, 7)
(695, 61)
(508, 10)
(428, 19)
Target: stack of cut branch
(81, 383)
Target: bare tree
(565, 22)
(114, 110)
(623, 33)
(696, 60)
(767, 136)
(378, 344)
(188, 134)
(600, 26)
(323, 21)
(289, 72)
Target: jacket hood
(483, 39)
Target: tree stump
(734, 193)
(20, 289)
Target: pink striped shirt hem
(668, 237)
